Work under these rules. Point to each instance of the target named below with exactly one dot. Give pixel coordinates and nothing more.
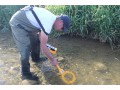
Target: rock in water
(102, 68)
(59, 59)
(29, 82)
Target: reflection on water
(94, 63)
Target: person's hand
(54, 62)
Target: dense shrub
(93, 21)
(101, 22)
(6, 11)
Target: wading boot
(29, 76)
(26, 74)
(42, 59)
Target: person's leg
(22, 41)
(21, 27)
(35, 48)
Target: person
(30, 36)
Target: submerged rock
(59, 59)
(29, 82)
(100, 67)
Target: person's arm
(43, 41)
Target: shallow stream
(94, 63)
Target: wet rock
(59, 59)
(94, 50)
(29, 82)
(106, 81)
(103, 71)
(100, 67)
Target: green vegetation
(6, 11)
(93, 21)
(88, 21)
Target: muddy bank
(94, 63)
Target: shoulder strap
(37, 19)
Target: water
(94, 63)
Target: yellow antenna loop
(67, 76)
